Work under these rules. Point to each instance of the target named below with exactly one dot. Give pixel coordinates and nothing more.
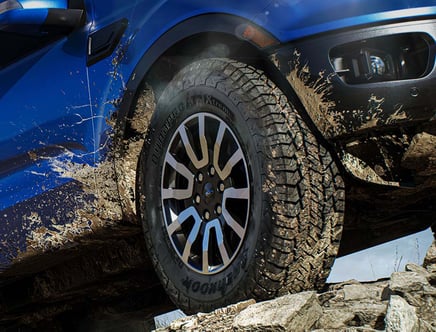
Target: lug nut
(221, 187)
(218, 209)
(212, 171)
(200, 177)
(197, 199)
(206, 215)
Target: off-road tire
(296, 194)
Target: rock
(401, 317)
(353, 291)
(360, 292)
(335, 318)
(424, 326)
(357, 305)
(294, 312)
(407, 282)
(406, 302)
(348, 329)
(219, 320)
(430, 263)
(410, 267)
(430, 258)
(348, 317)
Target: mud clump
(127, 157)
(108, 188)
(421, 154)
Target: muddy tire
(236, 196)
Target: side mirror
(31, 20)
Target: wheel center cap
(208, 191)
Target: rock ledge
(406, 302)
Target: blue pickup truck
(251, 141)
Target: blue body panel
(309, 17)
(54, 106)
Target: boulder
(293, 312)
(400, 316)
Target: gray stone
(348, 329)
(407, 282)
(430, 257)
(432, 270)
(294, 312)
(360, 292)
(218, 320)
(354, 314)
(425, 326)
(410, 267)
(334, 318)
(401, 316)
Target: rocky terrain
(405, 302)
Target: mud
(100, 206)
(421, 154)
(362, 171)
(104, 234)
(315, 97)
(375, 110)
(390, 159)
(315, 91)
(108, 196)
(127, 157)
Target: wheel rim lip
(212, 269)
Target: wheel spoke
(234, 159)
(191, 239)
(240, 193)
(215, 224)
(175, 193)
(217, 148)
(178, 220)
(203, 143)
(221, 246)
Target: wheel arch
(211, 35)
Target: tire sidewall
(234, 282)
